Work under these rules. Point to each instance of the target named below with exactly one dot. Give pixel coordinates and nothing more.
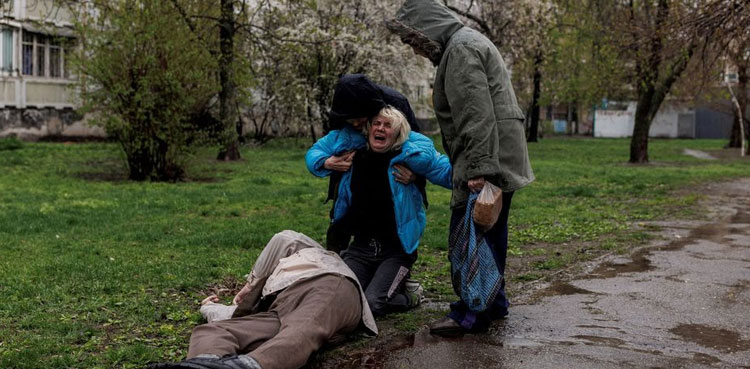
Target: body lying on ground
(298, 297)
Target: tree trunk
(312, 124)
(734, 137)
(742, 99)
(575, 118)
(639, 142)
(227, 93)
(139, 164)
(533, 135)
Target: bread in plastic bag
(488, 206)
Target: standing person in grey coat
(482, 129)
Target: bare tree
(660, 51)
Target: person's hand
(210, 299)
(476, 184)
(403, 174)
(340, 163)
(241, 295)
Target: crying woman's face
(381, 134)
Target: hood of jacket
(426, 25)
(355, 96)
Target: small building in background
(675, 119)
(37, 93)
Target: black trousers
(382, 271)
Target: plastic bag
(474, 274)
(488, 206)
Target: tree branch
(480, 22)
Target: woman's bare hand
(340, 163)
(403, 174)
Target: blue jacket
(418, 153)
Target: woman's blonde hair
(398, 124)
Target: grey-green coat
(474, 101)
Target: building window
(6, 50)
(28, 53)
(55, 59)
(44, 56)
(6, 7)
(41, 66)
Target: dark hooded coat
(355, 96)
(474, 101)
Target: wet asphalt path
(684, 302)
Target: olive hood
(426, 25)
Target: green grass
(96, 271)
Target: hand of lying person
(340, 163)
(210, 299)
(403, 174)
(241, 295)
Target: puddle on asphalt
(741, 217)
(599, 327)
(601, 341)
(639, 263)
(719, 339)
(639, 259)
(563, 289)
(705, 359)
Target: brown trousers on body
(302, 319)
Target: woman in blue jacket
(386, 217)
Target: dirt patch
(716, 338)
(561, 289)
(727, 154)
(741, 217)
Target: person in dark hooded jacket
(356, 99)
(481, 125)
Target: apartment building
(37, 93)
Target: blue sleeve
(334, 143)
(439, 170)
(428, 162)
(317, 155)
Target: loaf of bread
(488, 206)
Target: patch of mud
(376, 357)
(705, 359)
(741, 217)
(639, 263)
(227, 286)
(563, 289)
(719, 339)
